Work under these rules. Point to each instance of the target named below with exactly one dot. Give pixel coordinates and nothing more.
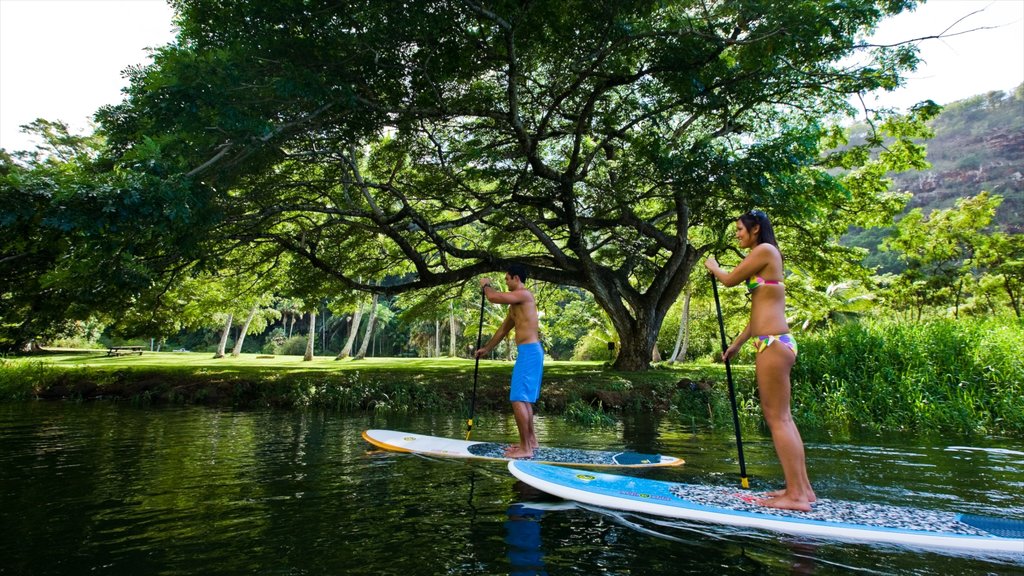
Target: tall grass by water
(962, 376)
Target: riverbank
(895, 386)
(583, 389)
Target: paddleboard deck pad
(451, 448)
(830, 519)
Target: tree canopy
(606, 145)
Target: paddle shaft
(476, 367)
(732, 389)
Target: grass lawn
(371, 383)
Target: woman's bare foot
(782, 492)
(786, 502)
(515, 451)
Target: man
(529, 367)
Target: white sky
(62, 59)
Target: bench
(119, 350)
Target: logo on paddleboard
(409, 438)
(585, 477)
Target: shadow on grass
(379, 384)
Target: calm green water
(111, 489)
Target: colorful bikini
(755, 282)
(763, 342)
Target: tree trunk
(369, 328)
(291, 326)
(437, 338)
(637, 316)
(1014, 301)
(224, 338)
(353, 330)
(310, 337)
(635, 347)
(245, 330)
(956, 305)
(637, 327)
(451, 330)
(683, 337)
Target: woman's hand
(731, 351)
(711, 264)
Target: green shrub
(294, 346)
(963, 375)
(584, 414)
(593, 347)
(20, 379)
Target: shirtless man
(529, 367)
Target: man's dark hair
(517, 270)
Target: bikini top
(755, 282)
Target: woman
(776, 351)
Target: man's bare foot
(785, 502)
(515, 451)
(782, 492)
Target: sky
(63, 59)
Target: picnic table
(119, 350)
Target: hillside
(978, 145)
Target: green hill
(978, 145)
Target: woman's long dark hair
(758, 218)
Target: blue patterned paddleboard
(450, 448)
(833, 519)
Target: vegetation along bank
(939, 376)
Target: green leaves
(942, 251)
(397, 147)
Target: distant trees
(951, 256)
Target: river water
(103, 488)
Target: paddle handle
(732, 390)
(476, 366)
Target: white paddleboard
(830, 519)
(451, 448)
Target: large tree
(606, 145)
(80, 237)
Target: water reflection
(522, 534)
(116, 490)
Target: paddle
(732, 391)
(476, 368)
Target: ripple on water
(194, 490)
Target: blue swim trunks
(527, 372)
